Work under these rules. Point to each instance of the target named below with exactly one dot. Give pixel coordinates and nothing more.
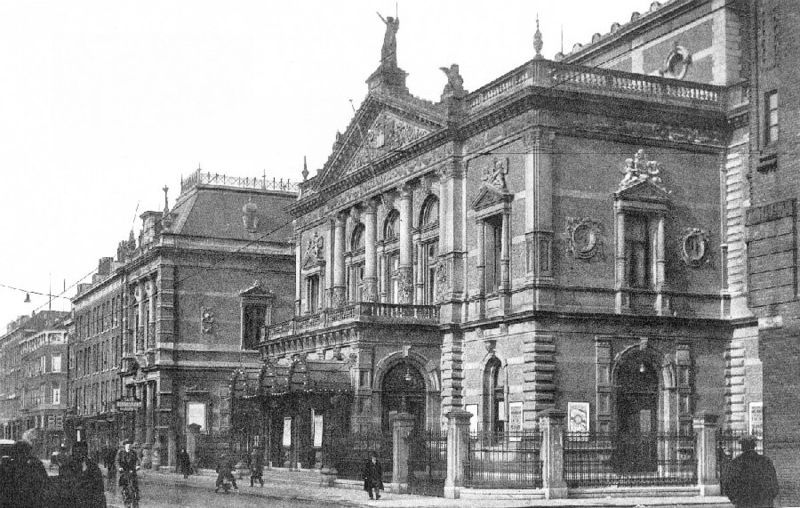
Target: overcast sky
(103, 103)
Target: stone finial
(166, 200)
(537, 40)
(305, 169)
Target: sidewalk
(304, 485)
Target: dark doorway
(403, 390)
(637, 415)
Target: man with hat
(750, 481)
(127, 465)
(83, 479)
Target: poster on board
(756, 414)
(515, 420)
(578, 417)
(287, 432)
(473, 422)
(317, 430)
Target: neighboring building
(772, 248)
(566, 236)
(162, 327)
(33, 354)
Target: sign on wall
(473, 422)
(317, 430)
(756, 418)
(515, 420)
(287, 432)
(577, 417)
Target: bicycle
(130, 488)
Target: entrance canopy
(286, 377)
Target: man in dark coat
(225, 472)
(184, 463)
(257, 466)
(750, 481)
(82, 476)
(127, 465)
(28, 478)
(372, 473)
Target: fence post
(402, 424)
(457, 448)
(551, 424)
(705, 432)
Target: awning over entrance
(299, 376)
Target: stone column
(370, 252)
(406, 248)
(298, 277)
(142, 325)
(151, 324)
(658, 282)
(402, 424)
(551, 423)
(148, 424)
(505, 248)
(481, 261)
(339, 289)
(705, 432)
(457, 448)
(619, 262)
(156, 455)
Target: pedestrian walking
(109, 461)
(372, 473)
(127, 465)
(225, 475)
(82, 477)
(25, 479)
(257, 466)
(750, 481)
(184, 463)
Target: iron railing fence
(504, 460)
(729, 447)
(594, 459)
(349, 452)
(427, 462)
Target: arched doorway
(403, 389)
(637, 413)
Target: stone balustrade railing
(368, 311)
(556, 75)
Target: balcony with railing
(593, 80)
(200, 177)
(368, 312)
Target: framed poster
(755, 418)
(473, 422)
(577, 417)
(287, 432)
(317, 419)
(196, 413)
(515, 420)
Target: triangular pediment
(489, 196)
(381, 126)
(644, 190)
(257, 291)
(312, 262)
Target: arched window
(357, 240)
(390, 232)
(429, 215)
(493, 397)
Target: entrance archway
(637, 382)
(403, 389)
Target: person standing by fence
(257, 466)
(373, 476)
(750, 480)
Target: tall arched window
(493, 397)
(429, 247)
(390, 282)
(355, 273)
(429, 215)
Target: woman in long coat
(372, 473)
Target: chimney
(151, 226)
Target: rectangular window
(431, 251)
(42, 364)
(492, 245)
(255, 317)
(56, 363)
(312, 293)
(392, 268)
(770, 117)
(57, 395)
(637, 251)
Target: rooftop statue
(389, 49)
(455, 83)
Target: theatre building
(555, 239)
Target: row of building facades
(611, 233)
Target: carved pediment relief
(645, 191)
(490, 196)
(387, 133)
(314, 255)
(494, 189)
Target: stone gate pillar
(705, 433)
(402, 424)
(457, 447)
(551, 423)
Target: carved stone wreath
(694, 247)
(207, 320)
(584, 237)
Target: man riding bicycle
(127, 464)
